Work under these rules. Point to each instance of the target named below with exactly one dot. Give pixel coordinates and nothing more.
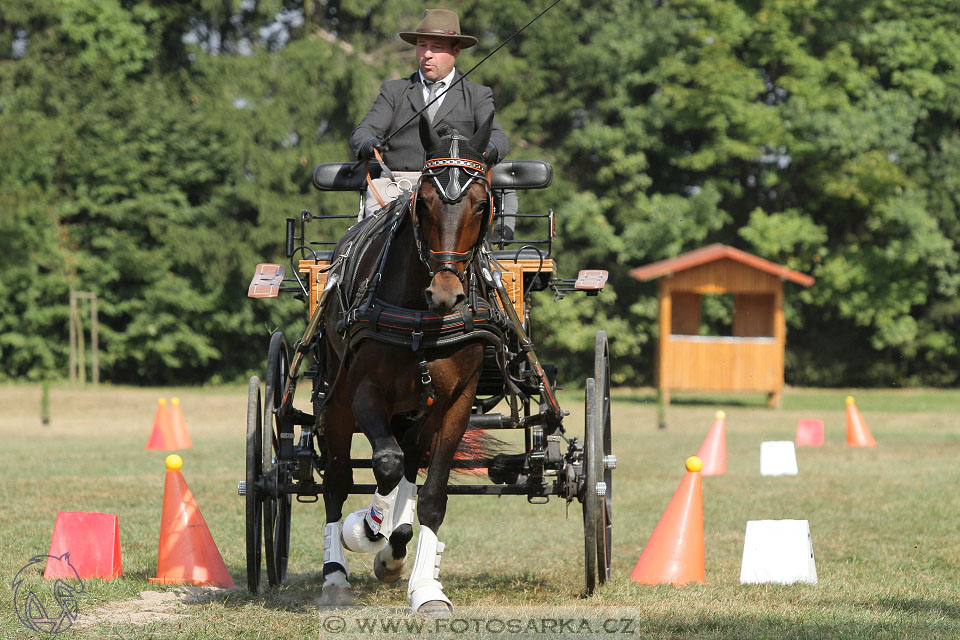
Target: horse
(408, 271)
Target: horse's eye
(483, 207)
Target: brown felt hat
(439, 23)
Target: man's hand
(366, 150)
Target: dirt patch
(152, 606)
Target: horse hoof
(385, 574)
(336, 596)
(435, 608)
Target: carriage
(286, 454)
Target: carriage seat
(509, 174)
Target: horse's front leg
(388, 564)
(391, 511)
(424, 591)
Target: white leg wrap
(380, 515)
(333, 552)
(355, 538)
(385, 514)
(424, 585)
(406, 505)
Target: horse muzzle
(445, 293)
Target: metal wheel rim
(276, 507)
(254, 502)
(590, 500)
(604, 448)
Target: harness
(458, 174)
(367, 316)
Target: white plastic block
(778, 551)
(778, 458)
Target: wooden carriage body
(517, 273)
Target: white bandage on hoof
(424, 585)
(333, 551)
(354, 536)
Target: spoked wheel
(604, 451)
(276, 503)
(254, 500)
(590, 501)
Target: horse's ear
(428, 136)
(482, 136)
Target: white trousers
(388, 190)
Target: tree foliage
(151, 151)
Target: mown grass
(884, 521)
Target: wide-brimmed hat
(439, 23)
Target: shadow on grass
(302, 592)
(919, 606)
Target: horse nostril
(459, 300)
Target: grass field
(885, 524)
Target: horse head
(451, 211)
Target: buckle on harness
(417, 338)
(427, 396)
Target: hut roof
(712, 253)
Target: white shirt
(447, 82)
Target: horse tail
(477, 448)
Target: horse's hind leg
(337, 482)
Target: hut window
(717, 312)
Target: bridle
(462, 173)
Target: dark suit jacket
(464, 107)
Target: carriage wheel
(604, 452)
(254, 501)
(589, 500)
(276, 504)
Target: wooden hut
(751, 358)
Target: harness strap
(417, 334)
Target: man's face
(436, 57)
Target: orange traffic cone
(159, 436)
(675, 553)
(713, 451)
(178, 427)
(187, 552)
(858, 435)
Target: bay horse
(404, 346)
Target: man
(463, 105)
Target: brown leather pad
(591, 280)
(266, 280)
